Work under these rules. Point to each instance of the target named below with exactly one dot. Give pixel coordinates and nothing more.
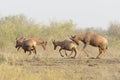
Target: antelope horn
(72, 36)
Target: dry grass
(49, 65)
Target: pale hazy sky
(84, 13)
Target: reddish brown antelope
(29, 44)
(65, 45)
(93, 40)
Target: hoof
(62, 56)
(66, 54)
(73, 57)
(92, 58)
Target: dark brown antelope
(65, 45)
(28, 45)
(93, 40)
(31, 42)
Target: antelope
(29, 44)
(65, 45)
(93, 40)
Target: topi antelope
(65, 45)
(29, 44)
(93, 40)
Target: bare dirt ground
(69, 61)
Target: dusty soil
(68, 61)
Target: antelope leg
(100, 52)
(75, 53)
(60, 52)
(66, 53)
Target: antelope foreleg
(71, 53)
(75, 53)
(60, 52)
(34, 49)
(100, 52)
(66, 53)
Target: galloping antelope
(29, 44)
(65, 45)
(93, 40)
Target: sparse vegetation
(49, 65)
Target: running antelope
(93, 40)
(65, 45)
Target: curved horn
(72, 36)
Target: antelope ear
(53, 40)
(16, 38)
(73, 36)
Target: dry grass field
(49, 65)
